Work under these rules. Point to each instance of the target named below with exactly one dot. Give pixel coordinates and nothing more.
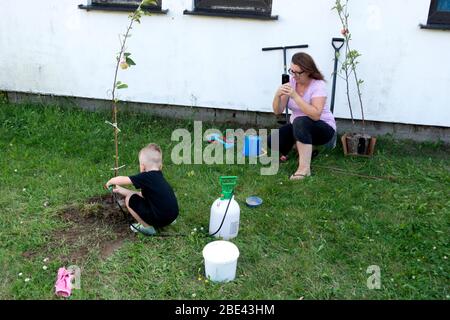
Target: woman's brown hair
(306, 62)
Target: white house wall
(53, 47)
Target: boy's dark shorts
(147, 213)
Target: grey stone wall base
(419, 133)
(413, 132)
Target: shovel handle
(300, 46)
(337, 40)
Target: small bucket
(220, 260)
(252, 146)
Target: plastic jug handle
(228, 180)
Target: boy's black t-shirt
(157, 192)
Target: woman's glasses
(295, 73)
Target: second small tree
(353, 143)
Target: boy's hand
(120, 190)
(108, 185)
(117, 181)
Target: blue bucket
(252, 146)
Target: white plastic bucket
(220, 260)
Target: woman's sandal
(299, 176)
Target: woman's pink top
(316, 88)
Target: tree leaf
(130, 61)
(148, 2)
(122, 86)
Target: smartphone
(284, 78)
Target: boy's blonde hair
(151, 155)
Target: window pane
(121, 2)
(255, 6)
(117, 1)
(443, 5)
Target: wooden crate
(372, 143)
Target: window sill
(435, 26)
(122, 8)
(228, 14)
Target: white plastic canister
(230, 227)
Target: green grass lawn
(313, 239)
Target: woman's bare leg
(304, 160)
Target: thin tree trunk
(114, 102)
(360, 100)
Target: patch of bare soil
(98, 224)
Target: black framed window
(124, 3)
(121, 5)
(254, 7)
(439, 12)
